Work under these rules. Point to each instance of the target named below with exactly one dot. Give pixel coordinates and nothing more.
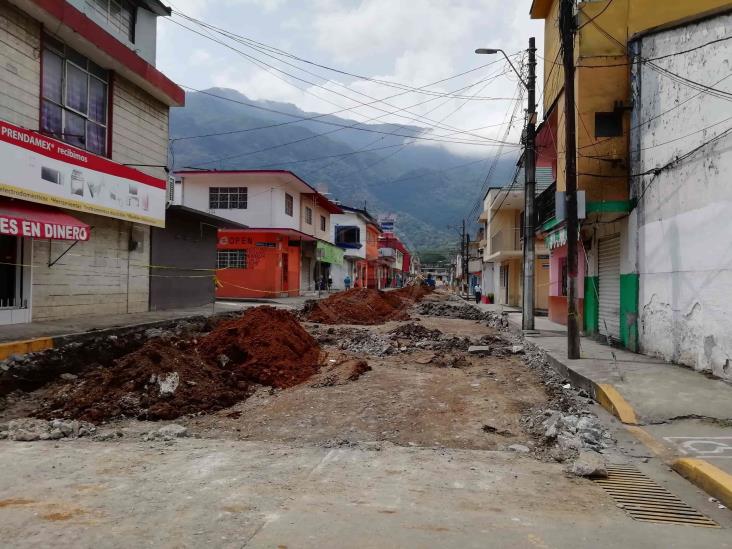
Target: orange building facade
(258, 263)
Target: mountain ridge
(426, 187)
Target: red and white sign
(16, 226)
(40, 169)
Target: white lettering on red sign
(13, 226)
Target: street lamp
(527, 320)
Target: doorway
(9, 272)
(285, 273)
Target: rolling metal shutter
(609, 298)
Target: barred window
(231, 259)
(74, 97)
(227, 198)
(322, 223)
(289, 203)
(308, 215)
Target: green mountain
(426, 187)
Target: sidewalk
(36, 336)
(682, 415)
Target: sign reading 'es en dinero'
(39, 169)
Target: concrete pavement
(684, 414)
(210, 493)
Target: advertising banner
(43, 170)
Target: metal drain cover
(646, 501)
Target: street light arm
(496, 50)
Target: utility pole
(567, 30)
(463, 247)
(530, 193)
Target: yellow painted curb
(706, 476)
(609, 398)
(24, 347)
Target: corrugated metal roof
(544, 178)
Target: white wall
(145, 30)
(265, 199)
(683, 217)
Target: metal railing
(506, 240)
(13, 303)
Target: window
(227, 198)
(231, 259)
(608, 124)
(289, 203)
(119, 15)
(308, 215)
(323, 225)
(74, 98)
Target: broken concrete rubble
(589, 464)
(31, 429)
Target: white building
(681, 146)
(275, 200)
(83, 150)
(349, 231)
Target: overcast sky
(412, 42)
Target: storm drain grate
(646, 501)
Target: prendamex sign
(40, 169)
(15, 226)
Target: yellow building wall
(541, 284)
(601, 78)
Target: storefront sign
(556, 239)
(43, 170)
(15, 226)
(327, 253)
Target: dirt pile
(340, 371)
(359, 306)
(160, 380)
(266, 346)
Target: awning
(20, 218)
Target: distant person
(330, 283)
(347, 282)
(477, 291)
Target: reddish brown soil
(167, 378)
(365, 306)
(266, 346)
(135, 386)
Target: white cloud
(415, 43)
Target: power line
(262, 46)
(316, 118)
(268, 68)
(603, 10)
(677, 160)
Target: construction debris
(30, 429)
(266, 346)
(363, 306)
(589, 464)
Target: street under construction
(410, 411)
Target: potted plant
(490, 297)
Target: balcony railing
(506, 240)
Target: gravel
(32, 429)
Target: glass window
(322, 223)
(231, 259)
(289, 204)
(119, 15)
(74, 100)
(227, 198)
(308, 215)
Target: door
(8, 271)
(609, 286)
(285, 272)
